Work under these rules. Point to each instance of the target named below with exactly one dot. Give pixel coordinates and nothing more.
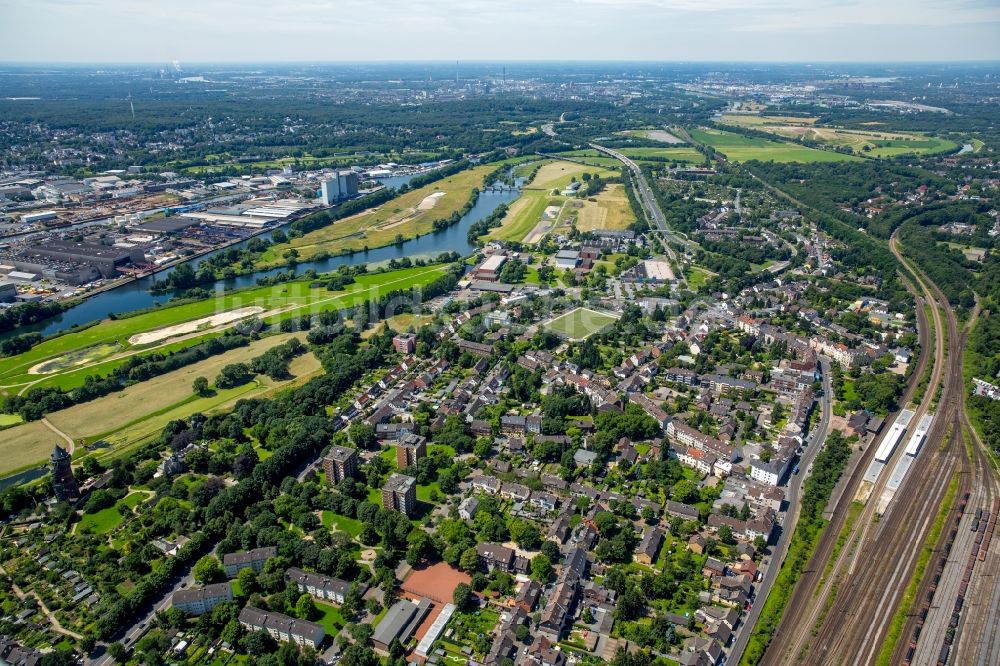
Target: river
(135, 295)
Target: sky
(161, 31)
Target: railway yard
(923, 538)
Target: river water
(135, 295)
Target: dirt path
(69, 440)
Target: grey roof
(334, 585)
(399, 483)
(254, 555)
(256, 617)
(401, 621)
(341, 453)
(201, 594)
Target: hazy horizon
(334, 31)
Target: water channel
(135, 295)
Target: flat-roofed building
(283, 628)
(489, 270)
(340, 463)
(410, 450)
(400, 494)
(400, 623)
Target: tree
(541, 568)
(469, 560)
(305, 609)
(462, 595)
(726, 535)
(208, 570)
(200, 386)
(362, 435)
(247, 579)
(118, 652)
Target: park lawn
(739, 148)
(330, 617)
(611, 210)
(558, 174)
(697, 276)
(580, 323)
(382, 225)
(283, 301)
(424, 493)
(343, 524)
(108, 519)
(673, 154)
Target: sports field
(580, 323)
(409, 215)
(739, 148)
(282, 301)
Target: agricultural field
(739, 148)
(524, 219)
(683, 154)
(142, 410)
(558, 174)
(409, 215)
(580, 323)
(292, 299)
(610, 210)
(870, 143)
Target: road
(142, 624)
(648, 201)
(791, 519)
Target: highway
(648, 201)
(792, 496)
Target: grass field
(739, 148)
(611, 210)
(696, 276)
(142, 411)
(871, 143)
(682, 154)
(559, 174)
(580, 323)
(108, 519)
(9, 420)
(330, 617)
(343, 524)
(279, 302)
(377, 227)
(663, 136)
(524, 214)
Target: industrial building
(343, 185)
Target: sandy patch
(662, 136)
(220, 319)
(430, 201)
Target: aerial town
(696, 368)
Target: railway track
(818, 600)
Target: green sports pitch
(580, 323)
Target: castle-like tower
(63, 482)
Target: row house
(683, 376)
(515, 491)
(475, 348)
(726, 385)
(326, 588)
(512, 424)
(486, 484)
(283, 628)
(651, 409)
(839, 352)
(745, 530)
(495, 556)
